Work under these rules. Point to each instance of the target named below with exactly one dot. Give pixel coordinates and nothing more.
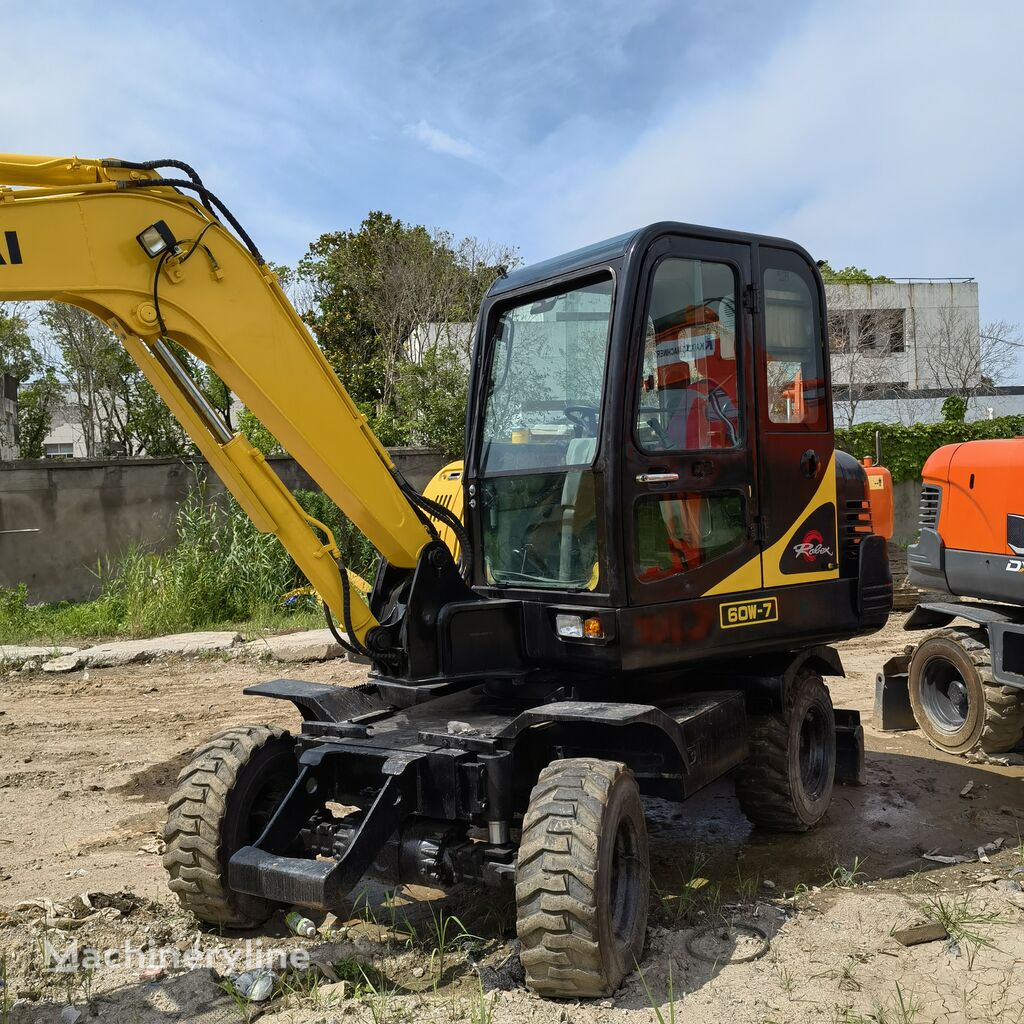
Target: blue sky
(886, 135)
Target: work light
(157, 239)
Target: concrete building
(899, 333)
(8, 416)
(900, 348)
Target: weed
(449, 933)
(746, 888)
(843, 877)
(963, 924)
(847, 976)
(380, 999)
(654, 1002)
(242, 1005)
(787, 982)
(697, 895)
(905, 1009)
(483, 1006)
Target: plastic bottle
(300, 924)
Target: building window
(839, 332)
(876, 331)
(61, 450)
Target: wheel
(225, 797)
(956, 702)
(582, 879)
(785, 784)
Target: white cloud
(441, 142)
(877, 134)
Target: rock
(918, 933)
(336, 993)
(768, 884)
(310, 645)
(461, 729)
(127, 652)
(418, 972)
(70, 1015)
(15, 656)
(965, 793)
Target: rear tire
(582, 880)
(785, 784)
(957, 704)
(225, 797)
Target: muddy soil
(88, 760)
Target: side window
(689, 385)
(796, 376)
(675, 533)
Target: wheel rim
(945, 696)
(814, 761)
(625, 877)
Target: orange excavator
(966, 682)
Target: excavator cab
(650, 458)
(658, 542)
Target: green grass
(220, 572)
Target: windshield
(544, 393)
(540, 434)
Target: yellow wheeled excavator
(657, 543)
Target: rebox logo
(811, 547)
(10, 250)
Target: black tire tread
(556, 880)
(1004, 708)
(762, 780)
(192, 834)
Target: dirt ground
(88, 760)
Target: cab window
(675, 533)
(796, 384)
(689, 382)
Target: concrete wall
(906, 508)
(58, 518)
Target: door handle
(657, 478)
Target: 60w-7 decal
(748, 613)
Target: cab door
(797, 470)
(690, 495)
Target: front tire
(785, 784)
(224, 799)
(957, 703)
(582, 879)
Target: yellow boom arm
(69, 233)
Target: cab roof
(623, 245)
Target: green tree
(434, 391)
(37, 401)
(18, 356)
(371, 291)
(954, 409)
(850, 275)
(259, 437)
